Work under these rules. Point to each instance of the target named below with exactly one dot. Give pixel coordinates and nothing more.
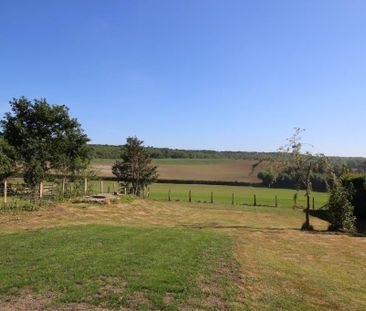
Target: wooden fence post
(276, 202)
(85, 185)
(313, 202)
(232, 199)
(114, 187)
(190, 196)
(63, 186)
(169, 195)
(101, 186)
(211, 197)
(5, 191)
(255, 200)
(41, 190)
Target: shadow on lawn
(321, 214)
(324, 215)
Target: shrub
(340, 208)
(20, 205)
(358, 198)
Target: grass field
(113, 267)
(194, 169)
(176, 255)
(223, 194)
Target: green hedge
(359, 195)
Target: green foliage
(287, 178)
(340, 207)
(7, 162)
(134, 169)
(358, 199)
(44, 137)
(267, 177)
(20, 205)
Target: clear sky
(223, 75)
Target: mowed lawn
(177, 255)
(194, 169)
(113, 267)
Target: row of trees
(37, 139)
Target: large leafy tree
(7, 161)
(74, 154)
(134, 169)
(7, 164)
(42, 136)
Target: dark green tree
(134, 169)
(340, 208)
(7, 163)
(38, 132)
(73, 153)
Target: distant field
(194, 169)
(242, 195)
(222, 194)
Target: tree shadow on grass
(324, 215)
(361, 230)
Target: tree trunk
(63, 186)
(41, 190)
(5, 192)
(85, 185)
(307, 216)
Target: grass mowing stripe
(77, 263)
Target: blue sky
(223, 75)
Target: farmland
(176, 255)
(243, 195)
(194, 169)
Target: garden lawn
(112, 267)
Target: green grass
(222, 194)
(110, 266)
(242, 195)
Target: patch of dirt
(138, 299)
(26, 301)
(112, 285)
(30, 301)
(168, 298)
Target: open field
(194, 169)
(85, 256)
(243, 195)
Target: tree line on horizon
(105, 151)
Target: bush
(20, 205)
(340, 208)
(358, 198)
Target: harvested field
(194, 169)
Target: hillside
(113, 152)
(193, 169)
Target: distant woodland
(113, 152)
